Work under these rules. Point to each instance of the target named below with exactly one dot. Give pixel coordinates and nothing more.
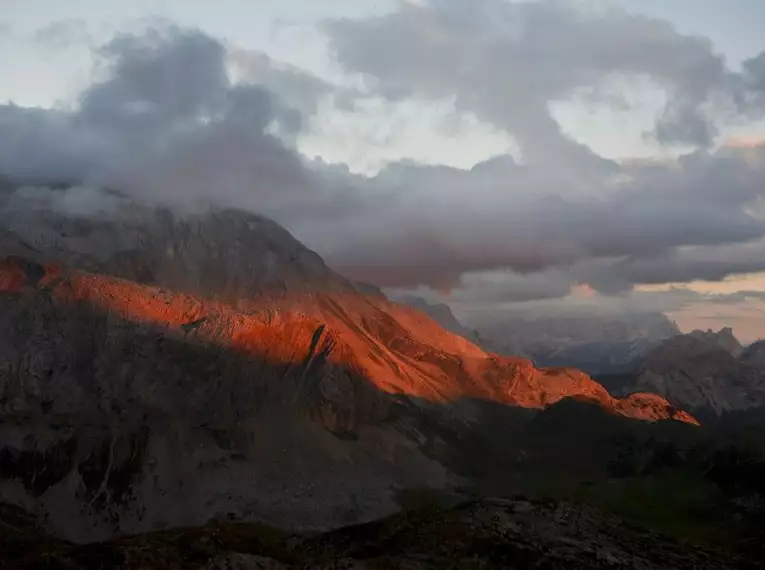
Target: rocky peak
(724, 339)
(224, 254)
(703, 370)
(754, 355)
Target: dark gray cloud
(439, 223)
(508, 61)
(165, 123)
(711, 263)
(752, 94)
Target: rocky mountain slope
(442, 314)
(703, 370)
(754, 355)
(162, 370)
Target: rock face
(703, 370)
(597, 344)
(492, 533)
(754, 355)
(161, 370)
(723, 339)
(225, 255)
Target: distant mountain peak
(704, 370)
(724, 338)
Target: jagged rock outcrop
(162, 369)
(723, 339)
(703, 370)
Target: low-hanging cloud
(166, 123)
(439, 224)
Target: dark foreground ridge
(490, 533)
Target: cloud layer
(178, 117)
(509, 61)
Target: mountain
(594, 343)
(754, 355)
(723, 339)
(703, 370)
(162, 369)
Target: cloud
(711, 263)
(508, 62)
(165, 124)
(753, 80)
(295, 87)
(437, 223)
(169, 122)
(676, 301)
(490, 288)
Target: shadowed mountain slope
(702, 370)
(162, 369)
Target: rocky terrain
(490, 533)
(754, 355)
(702, 370)
(442, 314)
(161, 369)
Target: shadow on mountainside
(112, 426)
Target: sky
(494, 154)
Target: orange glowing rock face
(395, 347)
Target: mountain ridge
(132, 398)
(703, 370)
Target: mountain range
(704, 371)
(160, 369)
(164, 369)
